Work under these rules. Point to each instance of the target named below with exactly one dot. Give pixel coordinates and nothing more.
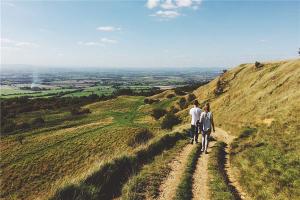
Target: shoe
(206, 152)
(191, 142)
(202, 150)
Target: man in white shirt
(195, 112)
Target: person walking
(195, 112)
(206, 125)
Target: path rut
(169, 186)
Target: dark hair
(207, 106)
(196, 103)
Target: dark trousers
(194, 133)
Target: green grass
(107, 181)
(147, 182)
(218, 182)
(184, 189)
(267, 161)
(30, 169)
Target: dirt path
(225, 137)
(169, 186)
(200, 178)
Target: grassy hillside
(66, 152)
(266, 100)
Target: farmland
(48, 83)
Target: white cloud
(170, 8)
(108, 41)
(166, 14)
(90, 43)
(152, 3)
(168, 4)
(184, 3)
(101, 42)
(108, 28)
(8, 43)
(26, 44)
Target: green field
(82, 143)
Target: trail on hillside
(222, 135)
(200, 177)
(169, 186)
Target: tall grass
(220, 188)
(184, 189)
(146, 183)
(106, 182)
(268, 163)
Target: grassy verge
(147, 182)
(106, 182)
(219, 183)
(267, 161)
(184, 189)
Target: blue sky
(153, 33)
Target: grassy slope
(146, 183)
(36, 168)
(266, 162)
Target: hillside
(262, 107)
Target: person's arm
(212, 122)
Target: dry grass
(58, 155)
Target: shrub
(79, 111)
(179, 91)
(191, 97)
(158, 113)
(150, 101)
(20, 138)
(38, 122)
(8, 126)
(169, 121)
(23, 126)
(182, 103)
(258, 65)
(174, 110)
(170, 96)
(140, 137)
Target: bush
(182, 103)
(23, 126)
(170, 96)
(79, 111)
(169, 121)
(38, 122)
(173, 109)
(191, 97)
(140, 137)
(8, 126)
(20, 138)
(179, 91)
(158, 113)
(150, 101)
(258, 65)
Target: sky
(148, 34)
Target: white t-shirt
(195, 113)
(205, 119)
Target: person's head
(207, 107)
(196, 103)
